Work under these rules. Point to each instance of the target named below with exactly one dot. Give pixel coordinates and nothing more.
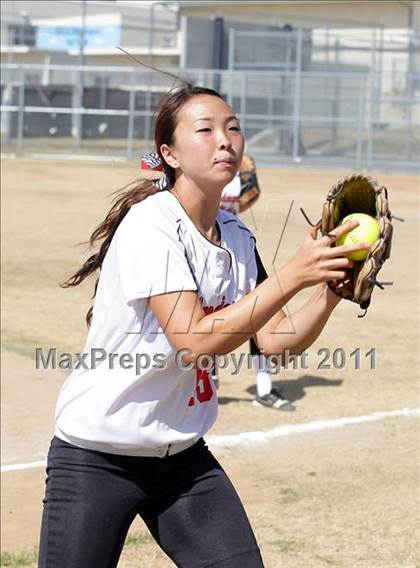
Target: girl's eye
(204, 130)
(236, 128)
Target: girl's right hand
(318, 261)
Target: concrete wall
(388, 14)
(198, 38)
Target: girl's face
(208, 142)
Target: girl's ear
(168, 156)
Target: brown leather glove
(360, 194)
(250, 190)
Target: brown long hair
(165, 125)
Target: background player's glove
(250, 189)
(360, 194)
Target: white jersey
(113, 407)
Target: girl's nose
(223, 142)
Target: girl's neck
(201, 206)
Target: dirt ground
(342, 497)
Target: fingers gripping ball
(366, 232)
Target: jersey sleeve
(151, 258)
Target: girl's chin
(224, 178)
(219, 178)
(225, 171)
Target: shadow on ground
(290, 389)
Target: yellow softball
(367, 231)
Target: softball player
(178, 278)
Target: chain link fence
(351, 119)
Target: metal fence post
(77, 107)
(335, 105)
(408, 104)
(148, 94)
(370, 94)
(296, 112)
(243, 101)
(7, 100)
(373, 114)
(360, 122)
(231, 51)
(148, 107)
(131, 115)
(21, 112)
(270, 109)
(231, 64)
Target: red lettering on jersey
(211, 309)
(204, 388)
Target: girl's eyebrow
(227, 119)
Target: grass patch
(137, 539)
(288, 495)
(284, 493)
(23, 558)
(29, 558)
(17, 344)
(27, 346)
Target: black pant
(186, 500)
(253, 347)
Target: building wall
(389, 14)
(134, 20)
